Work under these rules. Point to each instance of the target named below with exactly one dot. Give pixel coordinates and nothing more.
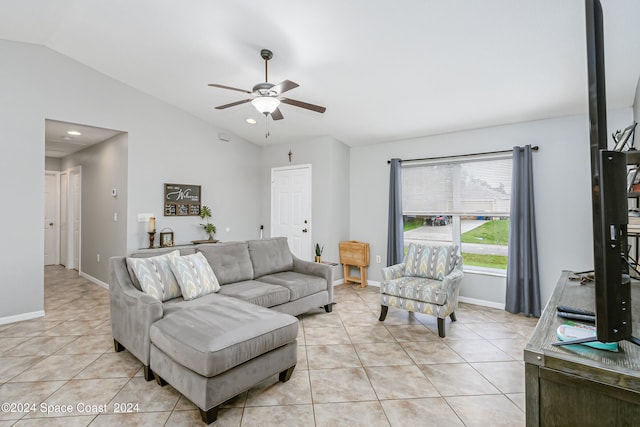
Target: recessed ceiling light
(74, 133)
(251, 121)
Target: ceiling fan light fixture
(266, 104)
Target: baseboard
(94, 280)
(369, 282)
(21, 317)
(481, 302)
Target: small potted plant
(210, 229)
(319, 252)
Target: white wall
(561, 183)
(165, 145)
(104, 167)
(329, 161)
(52, 164)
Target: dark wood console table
(580, 385)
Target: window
(461, 201)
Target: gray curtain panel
(523, 281)
(395, 238)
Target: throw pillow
(155, 276)
(430, 262)
(194, 275)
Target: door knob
(304, 230)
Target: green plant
(205, 213)
(319, 249)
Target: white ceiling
(385, 70)
(59, 143)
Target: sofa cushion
(255, 292)
(194, 275)
(229, 260)
(270, 256)
(155, 276)
(213, 338)
(299, 285)
(430, 262)
(415, 288)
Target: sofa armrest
(392, 272)
(132, 311)
(315, 269)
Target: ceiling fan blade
(233, 104)
(284, 86)
(277, 114)
(229, 87)
(312, 107)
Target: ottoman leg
(117, 346)
(160, 381)
(209, 416)
(148, 373)
(285, 375)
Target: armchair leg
(441, 327)
(383, 312)
(453, 317)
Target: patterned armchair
(428, 281)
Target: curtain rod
(534, 148)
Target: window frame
(456, 231)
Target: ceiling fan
(267, 96)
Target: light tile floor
(352, 370)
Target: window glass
(461, 202)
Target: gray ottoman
(213, 352)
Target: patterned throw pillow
(430, 262)
(194, 275)
(155, 275)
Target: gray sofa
(248, 321)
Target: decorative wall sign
(181, 200)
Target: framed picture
(166, 239)
(181, 200)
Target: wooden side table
(354, 254)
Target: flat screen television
(609, 198)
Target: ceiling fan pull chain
(266, 125)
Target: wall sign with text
(181, 200)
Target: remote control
(565, 309)
(573, 316)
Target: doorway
(291, 208)
(70, 218)
(51, 217)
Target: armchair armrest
(315, 269)
(392, 272)
(451, 285)
(132, 311)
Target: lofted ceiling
(386, 70)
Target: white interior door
(77, 216)
(64, 228)
(51, 198)
(291, 208)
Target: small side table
(355, 254)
